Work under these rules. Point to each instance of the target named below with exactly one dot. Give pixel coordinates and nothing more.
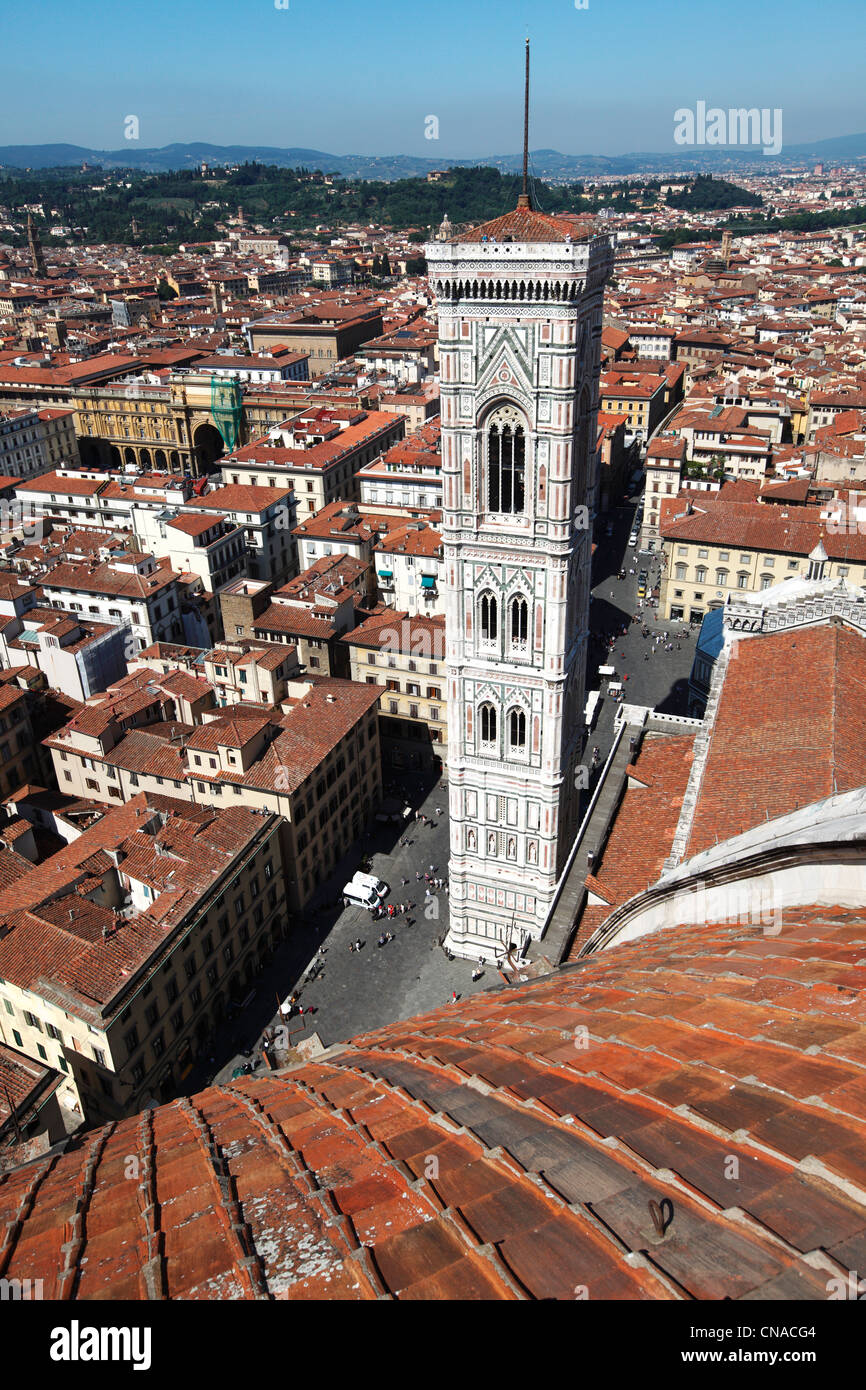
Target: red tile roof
(507, 1147)
(527, 224)
(790, 729)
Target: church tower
(520, 316)
(37, 256)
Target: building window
(721, 578)
(742, 581)
(766, 581)
(506, 465)
(518, 629)
(680, 571)
(488, 724)
(517, 730)
(488, 614)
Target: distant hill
(548, 164)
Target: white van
(370, 881)
(358, 895)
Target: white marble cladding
(514, 805)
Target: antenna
(525, 201)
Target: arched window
(506, 461)
(518, 625)
(488, 619)
(517, 730)
(488, 724)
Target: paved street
(359, 991)
(659, 681)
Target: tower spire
(525, 199)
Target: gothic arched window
(517, 730)
(488, 724)
(506, 461)
(518, 624)
(488, 619)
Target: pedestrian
(417, 875)
(453, 996)
(432, 868)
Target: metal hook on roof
(662, 1214)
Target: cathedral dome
(643, 1125)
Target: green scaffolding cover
(226, 408)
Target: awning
(386, 574)
(428, 581)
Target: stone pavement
(361, 990)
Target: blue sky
(361, 76)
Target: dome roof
(681, 1117)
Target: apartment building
(652, 341)
(36, 441)
(19, 761)
(824, 406)
(266, 516)
(132, 590)
(410, 568)
(409, 474)
(157, 917)
(238, 672)
(326, 333)
(715, 549)
(665, 461)
(314, 759)
(319, 453)
(313, 611)
(251, 529)
(279, 365)
(404, 654)
(76, 656)
(638, 396)
(209, 544)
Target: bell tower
(34, 246)
(519, 304)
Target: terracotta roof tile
(547, 1154)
